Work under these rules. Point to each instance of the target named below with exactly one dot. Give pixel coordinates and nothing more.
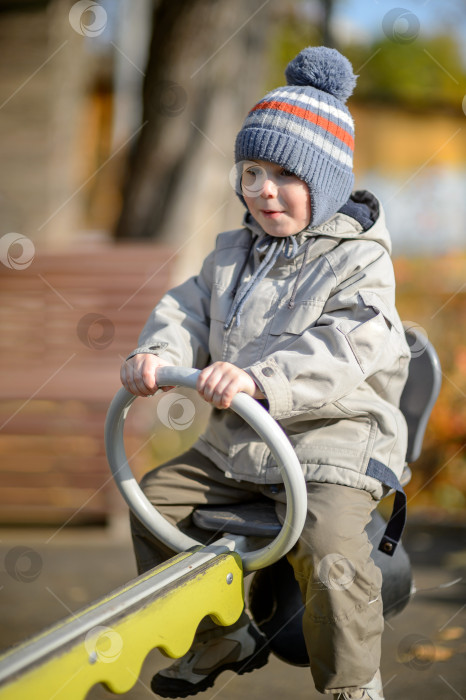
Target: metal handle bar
(266, 427)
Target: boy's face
(278, 200)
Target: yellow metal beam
(113, 650)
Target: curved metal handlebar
(267, 429)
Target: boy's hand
(221, 381)
(139, 374)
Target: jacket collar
(341, 225)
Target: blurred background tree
(181, 78)
(409, 76)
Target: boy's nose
(269, 188)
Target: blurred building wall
(416, 163)
(61, 120)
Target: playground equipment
(108, 641)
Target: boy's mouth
(271, 213)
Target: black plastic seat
(256, 519)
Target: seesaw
(108, 641)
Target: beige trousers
(340, 584)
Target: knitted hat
(306, 128)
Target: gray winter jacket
(319, 334)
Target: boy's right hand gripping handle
(266, 427)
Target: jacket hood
(362, 217)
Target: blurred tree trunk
(204, 71)
(328, 38)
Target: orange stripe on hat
(309, 116)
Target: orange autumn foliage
(432, 293)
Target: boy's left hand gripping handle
(254, 414)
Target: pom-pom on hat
(306, 128)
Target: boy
(297, 310)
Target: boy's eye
(251, 174)
(287, 173)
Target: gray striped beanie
(306, 128)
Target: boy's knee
(329, 554)
(324, 536)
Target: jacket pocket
(298, 319)
(380, 306)
(368, 339)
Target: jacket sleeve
(178, 327)
(358, 333)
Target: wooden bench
(67, 322)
